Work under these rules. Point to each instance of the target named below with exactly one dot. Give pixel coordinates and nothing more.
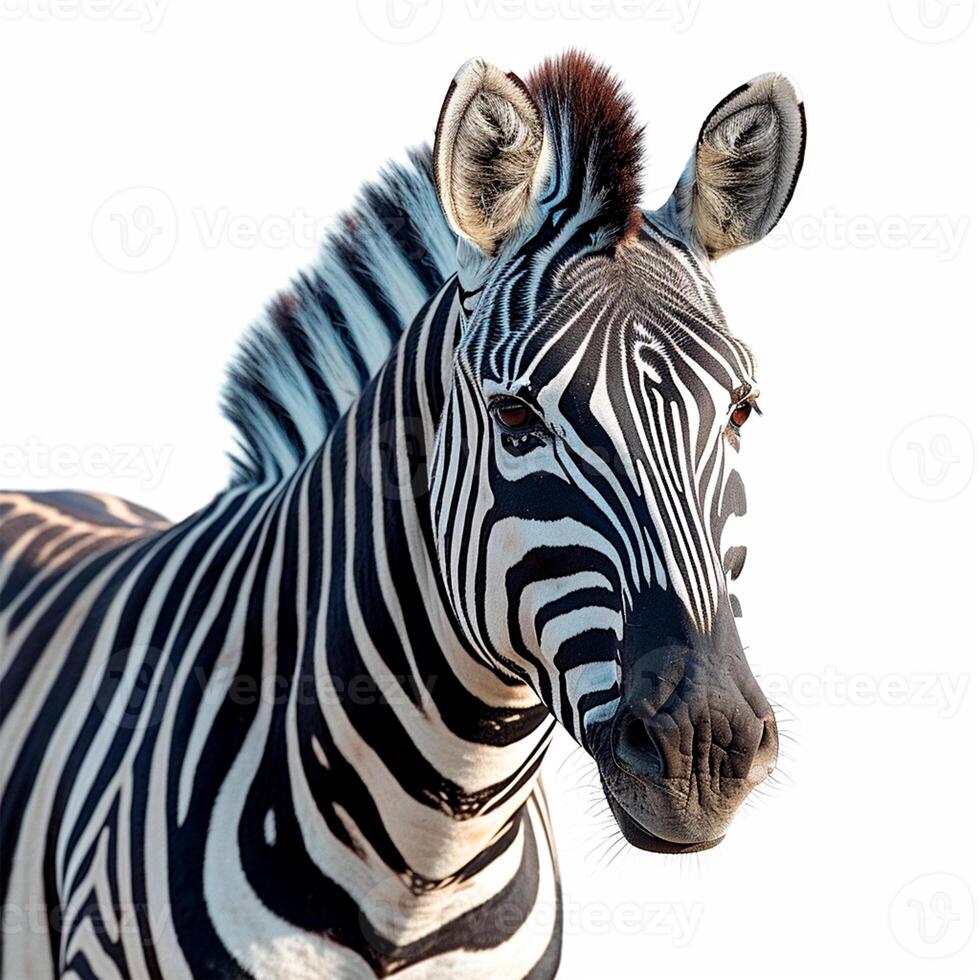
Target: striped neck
(397, 689)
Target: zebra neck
(431, 754)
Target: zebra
(483, 486)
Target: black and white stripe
(298, 733)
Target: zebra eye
(740, 414)
(512, 415)
(743, 405)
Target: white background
(246, 123)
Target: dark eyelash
(500, 403)
(519, 398)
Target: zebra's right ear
(490, 154)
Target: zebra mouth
(640, 837)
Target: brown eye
(740, 414)
(514, 416)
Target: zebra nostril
(636, 750)
(636, 734)
(765, 753)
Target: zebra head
(582, 472)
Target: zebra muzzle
(693, 735)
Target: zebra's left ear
(744, 168)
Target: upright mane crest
(319, 342)
(598, 142)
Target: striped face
(582, 475)
(581, 483)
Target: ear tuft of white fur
(747, 161)
(489, 155)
